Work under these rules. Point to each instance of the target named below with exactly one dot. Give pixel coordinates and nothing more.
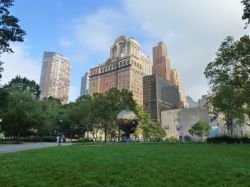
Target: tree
(77, 117)
(4, 95)
(150, 131)
(50, 110)
(246, 11)
(103, 114)
(118, 100)
(23, 114)
(24, 84)
(228, 77)
(200, 128)
(10, 31)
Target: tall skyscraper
(161, 67)
(161, 63)
(55, 76)
(85, 84)
(125, 69)
(176, 80)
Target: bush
(187, 138)
(49, 139)
(85, 140)
(171, 139)
(228, 140)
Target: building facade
(177, 122)
(125, 69)
(85, 84)
(192, 103)
(161, 62)
(162, 68)
(176, 80)
(55, 76)
(203, 102)
(159, 95)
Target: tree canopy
(229, 81)
(200, 128)
(23, 113)
(23, 84)
(246, 11)
(10, 31)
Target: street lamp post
(59, 131)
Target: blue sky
(83, 31)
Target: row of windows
(120, 64)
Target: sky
(84, 31)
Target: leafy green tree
(118, 100)
(50, 110)
(150, 131)
(10, 31)
(3, 100)
(200, 128)
(228, 76)
(77, 117)
(24, 84)
(246, 11)
(23, 114)
(153, 132)
(103, 114)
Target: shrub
(171, 139)
(228, 140)
(187, 138)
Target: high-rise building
(85, 84)
(192, 103)
(125, 69)
(203, 102)
(55, 76)
(159, 95)
(161, 62)
(161, 67)
(176, 80)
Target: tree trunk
(105, 134)
(18, 137)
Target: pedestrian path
(27, 146)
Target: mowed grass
(128, 165)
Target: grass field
(128, 165)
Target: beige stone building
(176, 80)
(55, 76)
(177, 122)
(125, 69)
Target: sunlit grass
(128, 165)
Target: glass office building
(158, 95)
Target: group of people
(60, 139)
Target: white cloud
(192, 31)
(20, 63)
(96, 32)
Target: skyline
(84, 34)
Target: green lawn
(128, 165)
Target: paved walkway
(27, 146)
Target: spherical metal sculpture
(127, 122)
